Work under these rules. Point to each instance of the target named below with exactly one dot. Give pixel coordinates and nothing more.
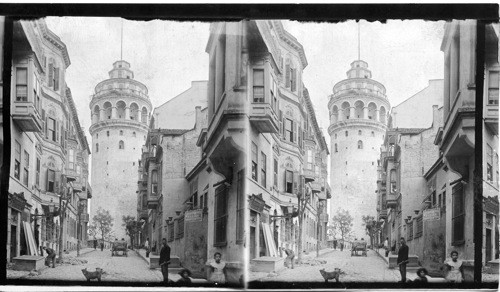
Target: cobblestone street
(116, 269)
(355, 269)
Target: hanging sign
(432, 214)
(193, 215)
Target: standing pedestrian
(218, 275)
(386, 246)
(146, 246)
(402, 259)
(164, 260)
(290, 258)
(335, 244)
(95, 243)
(51, 257)
(455, 269)
(102, 246)
(342, 245)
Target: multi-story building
(358, 122)
(121, 110)
(49, 150)
(456, 140)
(287, 150)
(167, 199)
(407, 156)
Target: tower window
(360, 132)
(373, 134)
(336, 149)
(107, 133)
(133, 134)
(96, 147)
(335, 136)
(121, 145)
(97, 136)
(121, 132)
(346, 133)
(360, 144)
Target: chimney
(436, 121)
(197, 117)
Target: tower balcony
(26, 116)
(264, 118)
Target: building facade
(49, 149)
(287, 151)
(456, 139)
(358, 121)
(120, 110)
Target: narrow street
(355, 269)
(116, 269)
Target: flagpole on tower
(359, 42)
(121, 43)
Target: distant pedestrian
(334, 244)
(146, 246)
(95, 243)
(402, 259)
(386, 246)
(164, 260)
(102, 246)
(290, 258)
(393, 248)
(455, 269)
(51, 257)
(218, 276)
(341, 245)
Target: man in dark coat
(403, 259)
(51, 256)
(164, 260)
(95, 243)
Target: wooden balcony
(263, 118)
(153, 201)
(491, 117)
(382, 214)
(26, 116)
(391, 201)
(309, 175)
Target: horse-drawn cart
(119, 245)
(358, 245)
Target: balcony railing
(263, 117)
(153, 201)
(26, 116)
(391, 201)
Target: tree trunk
(299, 244)
(61, 229)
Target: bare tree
(342, 221)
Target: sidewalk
(171, 276)
(83, 251)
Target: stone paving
(355, 269)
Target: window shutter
(57, 182)
(287, 75)
(284, 128)
(44, 121)
(294, 79)
(299, 133)
(295, 182)
(56, 78)
(51, 74)
(46, 179)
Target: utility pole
(63, 204)
(79, 228)
(318, 226)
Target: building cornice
(118, 123)
(55, 40)
(291, 41)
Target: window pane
(258, 77)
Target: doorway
(253, 252)
(13, 241)
(488, 245)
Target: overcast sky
(166, 56)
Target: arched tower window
(134, 112)
(107, 110)
(107, 133)
(345, 110)
(382, 114)
(360, 132)
(373, 134)
(335, 136)
(359, 105)
(121, 132)
(120, 109)
(96, 113)
(133, 134)
(372, 111)
(121, 145)
(96, 147)
(336, 149)
(335, 114)
(360, 144)
(347, 133)
(144, 115)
